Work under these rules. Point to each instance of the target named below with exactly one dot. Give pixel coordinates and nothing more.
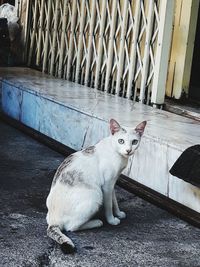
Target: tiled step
(78, 116)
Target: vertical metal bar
(121, 49)
(111, 43)
(71, 46)
(46, 39)
(54, 45)
(100, 43)
(35, 18)
(162, 53)
(89, 52)
(133, 48)
(147, 49)
(41, 18)
(80, 42)
(62, 41)
(26, 29)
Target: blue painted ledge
(78, 116)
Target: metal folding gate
(120, 47)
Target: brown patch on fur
(63, 165)
(53, 232)
(89, 150)
(71, 178)
(74, 178)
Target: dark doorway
(194, 90)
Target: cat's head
(126, 141)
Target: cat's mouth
(129, 154)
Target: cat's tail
(66, 243)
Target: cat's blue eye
(134, 142)
(121, 141)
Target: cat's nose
(128, 151)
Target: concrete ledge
(77, 116)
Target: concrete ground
(148, 237)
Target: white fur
(72, 206)
(9, 12)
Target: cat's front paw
(113, 220)
(121, 214)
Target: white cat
(85, 181)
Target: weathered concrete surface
(148, 237)
(45, 103)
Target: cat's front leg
(120, 214)
(108, 204)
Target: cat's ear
(140, 128)
(114, 126)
